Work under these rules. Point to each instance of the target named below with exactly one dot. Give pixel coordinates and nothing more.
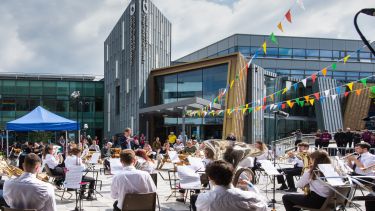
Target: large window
(312, 54)
(285, 52)
(117, 103)
(299, 53)
(189, 84)
(215, 79)
(325, 55)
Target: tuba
(305, 157)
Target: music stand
(73, 180)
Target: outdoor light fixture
(75, 94)
(370, 12)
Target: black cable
(370, 12)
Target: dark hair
(318, 157)
(31, 161)
(220, 172)
(364, 145)
(303, 144)
(47, 149)
(142, 153)
(75, 151)
(127, 156)
(209, 153)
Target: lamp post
(75, 95)
(370, 12)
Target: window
(215, 80)
(225, 52)
(283, 72)
(299, 53)
(8, 87)
(36, 87)
(353, 55)
(22, 87)
(62, 88)
(325, 55)
(365, 57)
(109, 112)
(272, 52)
(127, 85)
(189, 84)
(285, 52)
(107, 52)
(116, 69)
(336, 55)
(244, 50)
(49, 88)
(312, 54)
(123, 35)
(117, 103)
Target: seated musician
(253, 163)
(364, 160)
(319, 191)
(94, 147)
(190, 148)
(144, 163)
(106, 153)
(298, 159)
(178, 146)
(28, 192)
(130, 180)
(74, 159)
(151, 154)
(223, 196)
(52, 161)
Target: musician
(326, 137)
(28, 192)
(249, 162)
(365, 159)
(189, 148)
(126, 139)
(303, 147)
(144, 162)
(106, 153)
(53, 163)
(224, 197)
(74, 159)
(319, 191)
(130, 180)
(163, 154)
(94, 147)
(264, 156)
(178, 146)
(156, 145)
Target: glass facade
(18, 97)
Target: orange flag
(290, 104)
(307, 98)
(288, 16)
(358, 91)
(280, 26)
(324, 71)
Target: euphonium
(305, 157)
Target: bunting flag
(250, 110)
(300, 4)
(288, 16)
(264, 47)
(273, 38)
(338, 90)
(264, 107)
(313, 77)
(280, 26)
(321, 98)
(252, 58)
(358, 92)
(334, 66)
(258, 108)
(302, 103)
(373, 89)
(264, 100)
(311, 102)
(334, 97)
(364, 81)
(231, 83)
(298, 101)
(307, 98)
(244, 110)
(326, 92)
(346, 94)
(317, 95)
(271, 96)
(285, 90)
(295, 86)
(324, 72)
(304, 82)
(350, 85)
(283, 106)
(290, 104)
(346, 58)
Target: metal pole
(183, 124)
(7, 143)
(78, 127)
(274, 161)
(66, 143)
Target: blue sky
(66, 36)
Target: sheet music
(94, 158)
(173, 156)
(73, 177)
(189, 179)
(196, 163)
(116, 166)
(269, 168)
(329, 171)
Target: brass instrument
(116, 152)
(349, 155)
(11, 171)
(305, 157)
(88, 156)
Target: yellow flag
(271, 97)
(312, 101)
(244, 110)
(284, 90)
(324, 71)
(247, 105)
(258, 108)
(307, 98)
(290, 104)
(228, 111)
(358, 91)
(280, 26)
(350, 85)
(346, 58)
(231, 83)
(264, 47)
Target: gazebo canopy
(40, 119)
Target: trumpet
(346, 156)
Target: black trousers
(341, 146)
(91, 182)
(115, 208)
(318, 143)
(107, 164)
(289, 174)
(312, 200)
(193, 200)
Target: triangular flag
(273, 38)
(280, 26)
(311, 102)
(358, 91)
(321, 98)
(304, 82)
(290, 104)
(317, 95)
(324, 71)
(302, 103)
(300, 4)
(264, 47)
(278, 93)
(346, 58)
(297, 101)
(338, 90)
(326, 93)
(350, 85)
(264, 107)
(264, 99)
(364, 81)
(373, 89)
(258, 108)
(288, 16)
(283, 106)
(271, 96)
(284, 90)
(346, 94)
(295, 86)
(228, 111)
(279, 105)
(307, 98)
(250, 110)
(334, 66)
(244, 110)
(313, 77)
(231, 83)
(334, 97)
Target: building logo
(145, 6)
(144, 29)
(132, 33)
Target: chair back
(48, 171)
(154, 177)
(139, 202)
(13, 209)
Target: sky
(66, 36)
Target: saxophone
(305, 157)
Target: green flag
(298, 101)
(302, 103)
(250, 110)
(364, 81)
(334, 66)
(273, 38)
(373, 89)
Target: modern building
(139, 42)
(21, 93)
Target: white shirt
(28, 192)
(230, 199)
(131, 180)
(50, 161)
(263, 156)
(148, 166)
(94, 147)
(367, 159)
(316, 185)
(296, 161)
(73, 160)
(178, 147)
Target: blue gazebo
(40, 119)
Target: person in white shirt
(178, 146)
(253, 162)
(224, 196)
(94, 147)
(74, 159)
(364, 160)
(145, 163)
(319, 191)
(28, 192)
(53, 163)
(130, 180)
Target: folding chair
(12, 209)
(139, 202)
(154, 177)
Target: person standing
(318, 139)
(357, 137)
(28, 192)
(326, 138)
(142, 140)
(298, 135)
(171, 138)
(340, 139)
(349, 137)
(366, 136)
(126, 139)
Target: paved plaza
(105, 203)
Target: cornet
(346, 156)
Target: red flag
(346, 94)
(313, 77)
(283, 106)
(264, 107)
(288, 16)
(316, 95)
(264, 100)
